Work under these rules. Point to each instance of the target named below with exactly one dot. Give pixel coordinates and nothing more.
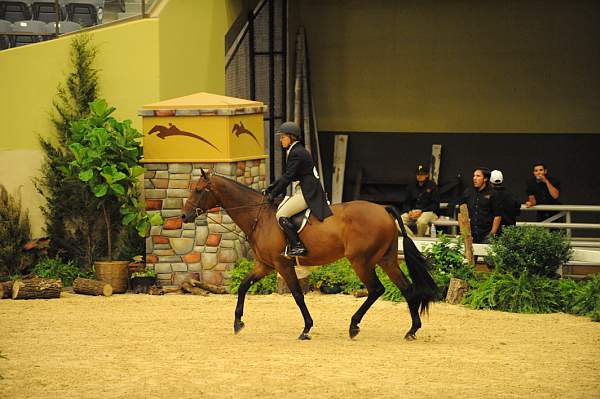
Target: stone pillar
(213, 243)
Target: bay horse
(363, 232)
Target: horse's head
(201, 198)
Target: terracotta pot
(114, 273)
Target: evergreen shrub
(529, 249)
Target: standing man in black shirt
(542, 189)
(509, 207)
(484, 210)
(422, 202)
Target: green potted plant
(143, 279)
(107, 155)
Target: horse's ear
(204, 175)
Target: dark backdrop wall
(392, 157)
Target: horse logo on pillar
(239, 129)
(172, 130)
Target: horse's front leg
(259, 271)
(289, 275)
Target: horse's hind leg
(259, 271)
(369, 278)
(289, 275)
(390, 266)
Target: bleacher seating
(63, 27)
(14, 11)
(34, 31)
(31, 16)
(46, 11)
(5, 27)
(85, 12)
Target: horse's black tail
(423, 288)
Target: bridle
(200, 211)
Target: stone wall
(210, 245)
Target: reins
(200, 212)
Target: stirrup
(292, 252)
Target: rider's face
(285, 140)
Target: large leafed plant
(107, 155)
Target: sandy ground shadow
(139, 346)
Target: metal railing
(551, 222)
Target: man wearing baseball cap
(422, 202)
(300, 170)
(509, 207)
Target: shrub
(586, 301)
(338, 273)
(524, 293)
(57, 269)
(448, 261)
(243, 267)
(106, 156)
(72, 222)
(15, 232)
(529, 249)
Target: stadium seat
(63, 27)
(14, 11)
(5, 27)
(38, 28)
(46, 11)
(85, 12)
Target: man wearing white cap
(509, 207)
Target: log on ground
(186, 286)
(36, 288)
(207, 287)
(91, 287)
(6, 289)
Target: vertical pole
(465, 230)
(143, 8)
(568, 220)
(272, 84)
(57, 22)
(252, 50)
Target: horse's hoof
(237, 326)
(410, 336)
(354, 330)
(304, 337)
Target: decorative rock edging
(205, 246)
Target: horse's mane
(238, 184)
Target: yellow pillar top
(202, 104)
(203, 127)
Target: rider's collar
(290, 147)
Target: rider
(299, 170)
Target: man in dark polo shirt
(484, 209)
(542, 190)
(422, 202)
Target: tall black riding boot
(295, 247)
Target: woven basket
(114, 273)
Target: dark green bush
(57, 269)
(241, 269)
(528, 248)
(338, 273)
(447, 260)
(586, 301)
(524, 293)
(15, 232)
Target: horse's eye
(198, 190)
